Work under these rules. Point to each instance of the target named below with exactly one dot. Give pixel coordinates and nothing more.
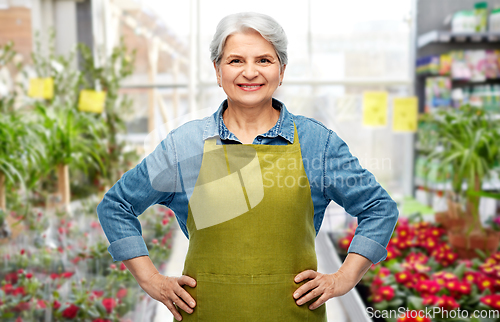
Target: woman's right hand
(169, 291)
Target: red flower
(392, 253)
(464, 288)
(447, 302)
(109, 304)
(71, 311)
(376, 298)
(101, 320)
(492, 301)
(417, 257)
(98, 293)
(430, 300)
(22, 251)
(443, 277)
(386, 292)
(383, 272)
(452, 285)
(11, 278)
(123, 267)
(7, 288)
(67, 274)
(403, 277)
(29, 276)
(121, 293)
(471, 277)
(22, 306)
(40, 304)
(165, 221)
(486, 284)
(56, 305)
(428, 287)
(54, 276)
(19, 291)
(413, 316)
(164, 240)
(345, 242)
(154, 241)
(112, 266)
(376, 283)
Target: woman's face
(249, 71)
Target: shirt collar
(284, 127)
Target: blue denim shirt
(168, 175)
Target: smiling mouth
(250, 86)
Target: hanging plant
(107, 73)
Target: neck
(248, 122)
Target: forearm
(142, 268)
(355, 267)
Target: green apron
(251, 231)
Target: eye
(235, 61)
(265, 60)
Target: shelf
(462, 81)
(490, 185)
(437, 36)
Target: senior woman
(249, 186)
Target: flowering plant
(65, 273)
(421, 271)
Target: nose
(250, 71)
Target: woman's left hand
(325, 286)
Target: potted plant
(468, 147)
(70, 137)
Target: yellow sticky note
(405, 114)
(375, 108)
(41, 88)
(91, 101)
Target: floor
(335, 311)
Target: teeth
(246, 86)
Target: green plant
(107, 73)
(70, 138)
(468, 145)
(20, 148)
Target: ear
(217, 72)
(282, 74)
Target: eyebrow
(260, 56)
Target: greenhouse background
(89, 88)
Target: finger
(181, 304)
(309, 296)
(304, 275)
(172, 308)
(305, 288)
(185, 296)
(186, 280)
(322, 299)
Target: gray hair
(266, 26)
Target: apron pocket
(249, 298)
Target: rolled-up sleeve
(356, 189)
(152, 181)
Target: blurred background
(89, 87)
